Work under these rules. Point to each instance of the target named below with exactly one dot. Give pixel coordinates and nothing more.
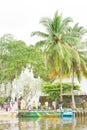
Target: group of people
(38, 106)
(34, 106)
(20, 104)
(9, 106)
(83, 104)
(13, 105)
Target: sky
(21, 17)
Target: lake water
(43, 124)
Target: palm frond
(41, 34)
(40, 43)
(64, 26)
(56, 22)
(79, 29)
(83, 65)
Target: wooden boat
(38, 114)
(58, 113)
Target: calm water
(43, 124)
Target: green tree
(53, 89)
(13, 58)
(59, 41)
(36, 63)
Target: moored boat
(57, 113)
(68, 113)
(39, 114)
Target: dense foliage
(15, 56)
(53, 89)
(60, 54)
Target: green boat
(39, 114)
(64, 113)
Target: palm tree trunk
(11, 88)
(73, 99)
(61, 84)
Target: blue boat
(68, 113)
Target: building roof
(76, 92)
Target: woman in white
(46, 105)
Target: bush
(1, 100)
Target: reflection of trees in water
(81, 121)
(46, 124)
(49, 124)
(67, 123)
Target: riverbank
(79, 112)
(10, 114)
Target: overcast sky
(21, 17)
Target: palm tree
(79, 62)
(78, 70)
(58, 42)
(54, 43)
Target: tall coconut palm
(57, 41)
(78, 67)
(54, 43)
(78, 70)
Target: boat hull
(46, 114)
(39, 114)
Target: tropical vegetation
(52, 90)
(58, 55)
(61, 43)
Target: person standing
(71, 104)
(19, 104)
(60, 105)
(54, 105)
(29, 106)
(84, 104)
(39, 106)
(34, 105)
(46, 105)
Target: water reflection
(7, 123)
(82, 123)
(43, 124)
